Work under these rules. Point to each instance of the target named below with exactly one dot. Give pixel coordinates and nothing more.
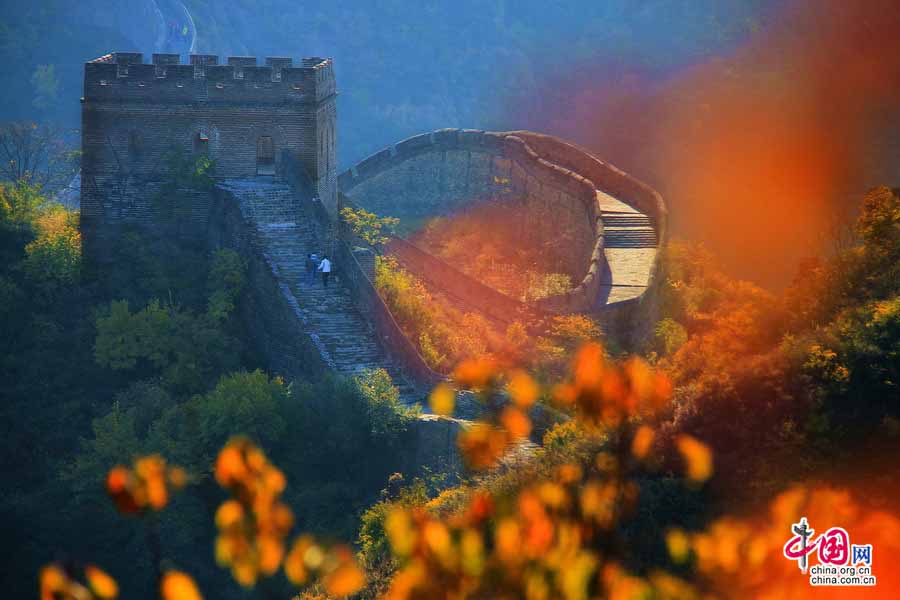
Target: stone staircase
(625, 227)
(630, 244)
(286, 234)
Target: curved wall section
(562, 189)
(439, 172)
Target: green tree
(670, 335)
(386, 414)
(20, 203)
(191, 433)
(185, 349)
(227, 276)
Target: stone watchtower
(253, 121)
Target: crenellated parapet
(124, 76)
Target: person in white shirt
(325, 267)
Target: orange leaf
(588, 366)
(515, 422)
(698, 457)
(274, 480)
(642, 442)
(179, 586)
(294, 566)
(345, 580)
(437, 537)
(508, 541)
(522, 389)
(178, 477)
(474, 373)
(157, 494)
(229, 513)
(271, 550)
(53, 581)
(230, 466)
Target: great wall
(271, 130)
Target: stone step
(626, 221)
(287, 235)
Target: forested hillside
(103, 361)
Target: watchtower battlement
(125, 77)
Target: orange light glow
(756, 151)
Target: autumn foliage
(145, 486)
(553, 536)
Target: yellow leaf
(442, 400)
(698, 457)
(225, 550)
(313, 556)
(101, 583)
(472, 552)
(678, 544)
(245, 572)
(179, 586)
(400, 533)
(576, 575)
(536, 587)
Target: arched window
(265, 155)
